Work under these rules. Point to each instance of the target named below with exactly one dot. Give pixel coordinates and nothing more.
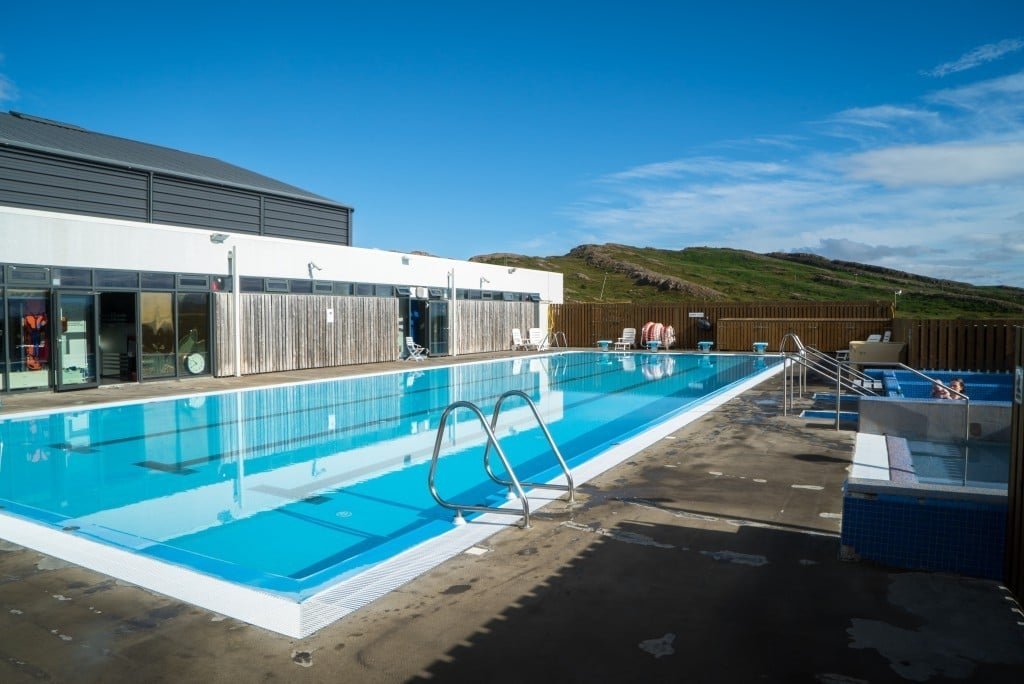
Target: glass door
(75, 340)
(438, 317)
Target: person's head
(957, 384)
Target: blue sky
(889, 133)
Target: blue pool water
(977, 386)
(291, 488)
(979, 464)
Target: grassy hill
(620, 273)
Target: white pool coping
(300, 619)
(870, 458)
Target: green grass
(608, 273)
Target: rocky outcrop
(598, 257)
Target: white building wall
(47, 238)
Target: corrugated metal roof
(36, 133)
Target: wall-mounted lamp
(405, 261)
(218, 238)
(512, 270)
(482, 281)
(312, 267)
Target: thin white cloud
(697, 166)
(976, 57)
(947, 165)
(886, 116)
(8, 93)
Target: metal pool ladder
(514, 484)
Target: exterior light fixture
(218, 238)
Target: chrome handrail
(810, 358)
(491, 439)
(560, 336)
(568, 487)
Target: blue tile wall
(965, 537)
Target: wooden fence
(584, 324)
(288, 332)
(482, 326)
(981, 345)
(827, 335)
(1014, 571)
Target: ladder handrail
(560, 335)
(568, 487)
(491, 439)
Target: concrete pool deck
(711, 556)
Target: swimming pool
(288, 491)
(978, 386)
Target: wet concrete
(711, 556)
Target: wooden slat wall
(980, 345)
(584, 324)
(483, 326)
(289, 332)
(1015, 487)
(827, 335)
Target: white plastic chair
(415, 351)
(628, 339)
(517, 339)
(538, 339)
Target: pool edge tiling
(299, 619)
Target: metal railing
(568, 487)
(514, 484)
(808, 358)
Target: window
(250, 284)
(194, 326)
(364, 289)
(323, 288)
(193, 282)
(302, 286)
(28, 275)
(343, 288)
(383, 291)
(116, 279)
(158, 334)
(74, 277)
(28, 326)
(157, 281)
(275, 285)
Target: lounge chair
(628, 339)
(517, 339)
(874, 338)
(887, 336)
(538, 339)
(415, 352)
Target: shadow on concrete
(681, 603)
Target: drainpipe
(453, 316)
(236, 304)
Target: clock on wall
(195, 363)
